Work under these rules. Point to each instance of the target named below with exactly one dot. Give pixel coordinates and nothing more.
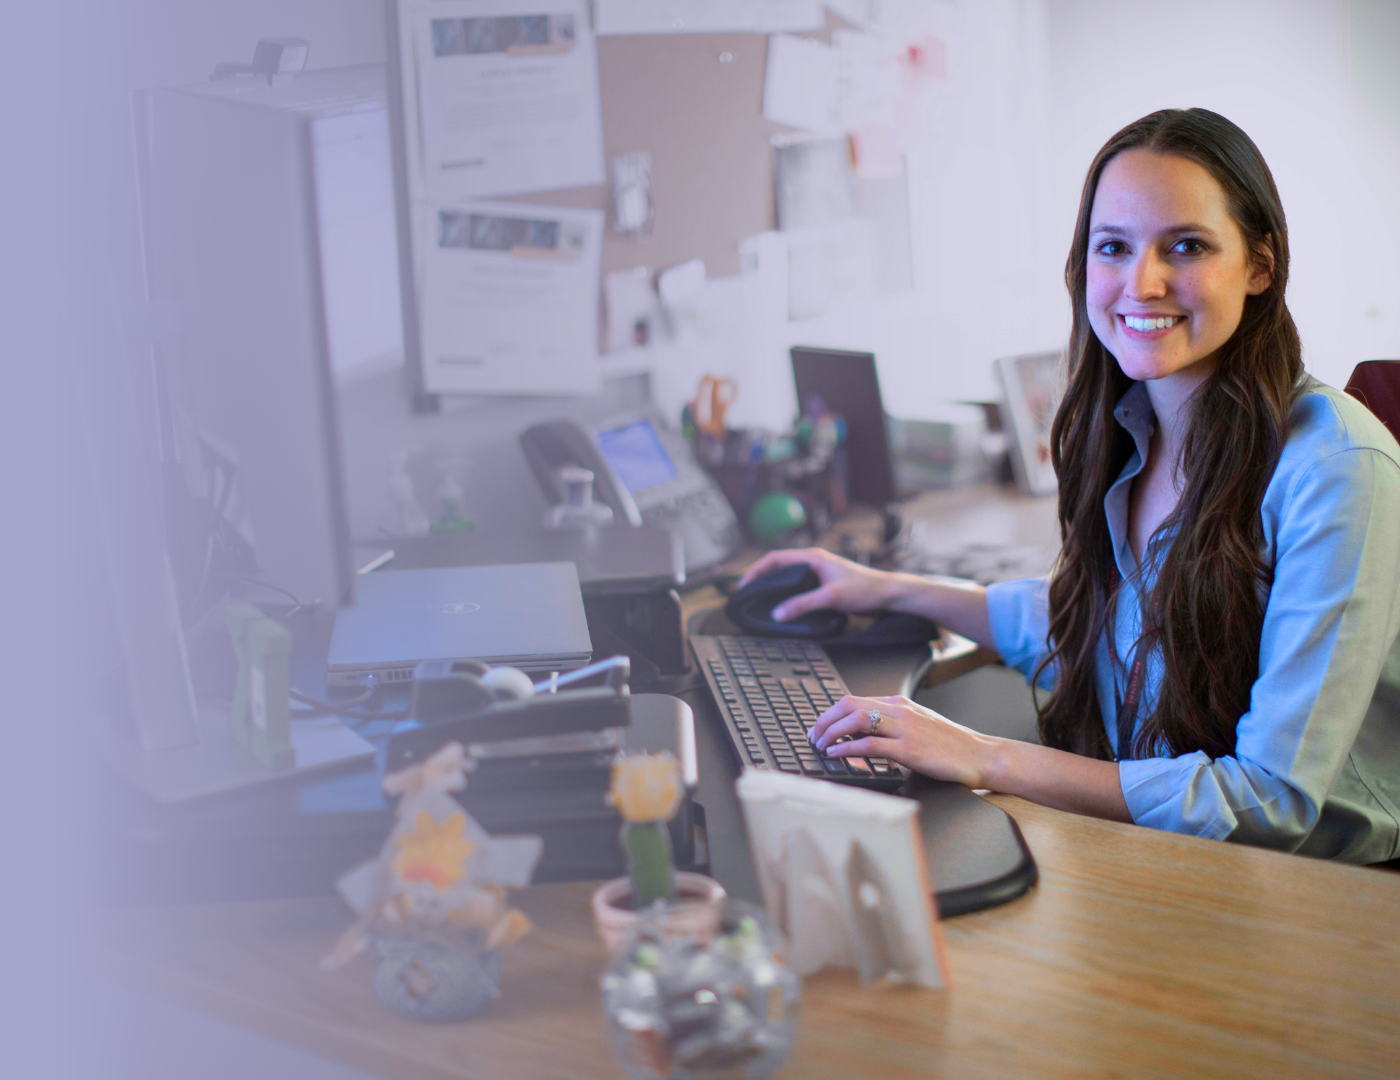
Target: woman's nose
(1148, 277)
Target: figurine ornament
(433, 903)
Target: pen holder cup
(689, 1008)
(695, 912)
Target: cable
(344, 708)
(298, 604)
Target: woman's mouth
(1150, 326)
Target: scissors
(712, 401)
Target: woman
(1218, 635)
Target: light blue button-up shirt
(1316, 767)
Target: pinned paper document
(510, 298)
(633, 309)
(502, 99)
(802, 84)
(708, 16)
(887, 83)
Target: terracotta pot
(695, 913)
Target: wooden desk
(1140, 954)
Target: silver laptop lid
(528, 615)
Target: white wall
(985, 233)
(1315, 83)
(1037, 86)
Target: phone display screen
(635, 453)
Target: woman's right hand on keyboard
(845, 585)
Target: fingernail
(780, 612)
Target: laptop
(524, 615)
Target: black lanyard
(1128, 702)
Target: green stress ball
(774, 514)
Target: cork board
(699, 116)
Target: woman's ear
(1261, 267)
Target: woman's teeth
(1161, 323)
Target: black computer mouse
(751, 608)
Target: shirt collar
(1134, 414)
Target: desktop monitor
(848, 385)
(270, 235)
(271, 261)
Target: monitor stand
(215, 763)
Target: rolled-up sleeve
(1019, 613)
(1331, 619)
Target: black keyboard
(770, 691)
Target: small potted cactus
(646, 791)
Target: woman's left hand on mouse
(909, 734)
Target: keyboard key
(858, 764)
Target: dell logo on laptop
(460, 608)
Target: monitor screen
(847, 384)
(635, 453)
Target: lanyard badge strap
(1128, 707)
(1127, 703)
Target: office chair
(1376, 384)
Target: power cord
(348, 709)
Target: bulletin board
(693, 101)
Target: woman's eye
(1112, 247)
(1189, 246)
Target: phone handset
(550, 446)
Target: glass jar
(684, 1008)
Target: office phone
(646, 472)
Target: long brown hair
(1205, 613)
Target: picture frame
(1032, 386)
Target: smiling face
(1168, 267)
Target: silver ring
(875, 720)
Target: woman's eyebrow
(1189, 226)
(1185, 227)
